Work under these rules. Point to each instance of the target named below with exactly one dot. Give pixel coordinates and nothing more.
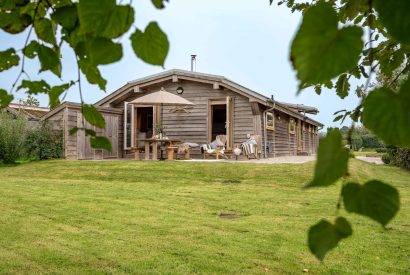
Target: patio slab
(277, 160)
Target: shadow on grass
(17, 163)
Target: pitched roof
(291, 109)
(31, 112)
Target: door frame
(228, 102)
(134, 120)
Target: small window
(270, 121)
(292, 126)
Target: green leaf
(73, 131)
(66, 16)
(318, 51)
(93, 116)
(13, 22)
(55, 93)
(394, 15)
(159, 4)
(387, 114)
(342, 86)
(5, 98)
(375, 199)
(352, 8)
(45, 30)
(34, 87)
(331, 161)
(92, 73)
(325, 236)
(99, 142)
(103, 51)
(49, 58)
(339, 117)
(89, 132)
(151, 45)
(8, 59)
(104, 18)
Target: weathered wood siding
(193, 125)
(78, 146)
(282, 143)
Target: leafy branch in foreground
(328, 51)
(91, 28)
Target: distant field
(163, 217)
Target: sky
(245, 41)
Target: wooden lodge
(221, 106)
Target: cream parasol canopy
(161, 97)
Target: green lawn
(162, 217)
(370, 152)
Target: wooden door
(84, 150)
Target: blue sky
(245, 41)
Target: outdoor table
(154, 142)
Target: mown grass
(370, 152)
(162, 217)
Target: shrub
(45, 143)
(386, 158)
(381, 150)
(12, 137)
(401, 158)
(371, 141)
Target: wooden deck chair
(251, 147)
(210, 150)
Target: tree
(30, 101)
(91, 28)
(327, 51)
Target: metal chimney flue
(193, 62)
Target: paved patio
(375, 160)
(277, 160)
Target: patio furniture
(250, 148)
(185, 148)
(171, 150)
(140, 145)
(215, 148)
(154, 143)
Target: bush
(12, 137)
(386, 158)
(371, 141)
(401, 158)
(45, 143)
(381, 150)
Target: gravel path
(375, 160)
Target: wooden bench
(136, 151)
(171, 152)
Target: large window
(128, 125)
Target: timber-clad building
(221, 106)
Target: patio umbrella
(162, 98)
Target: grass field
(163, 217)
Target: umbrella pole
(162, 128)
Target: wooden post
(146, 143)
(154, 150)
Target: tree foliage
(328, 51)
(91, 28)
